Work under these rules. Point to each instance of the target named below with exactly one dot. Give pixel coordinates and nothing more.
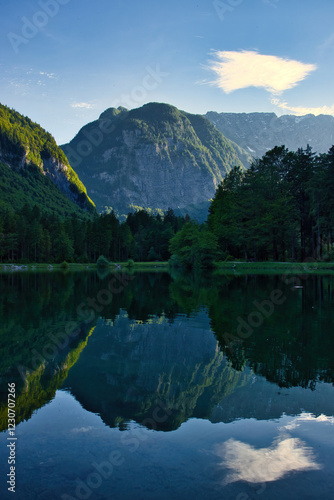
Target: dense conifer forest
(280, 209)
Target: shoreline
(114, 266)
(236, 267)
(231, 267)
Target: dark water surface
(154, 386)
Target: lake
(159, 386)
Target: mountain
(153, 157)
(34, 170)
(258, 133)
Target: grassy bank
(114, 266)
(275, 267)
(231, 267)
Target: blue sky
(63, 62)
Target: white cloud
(253, 465)
(308, 417)
(304, 110)
(82, 429)
(239, 70)
(84, 105)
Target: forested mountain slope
(34, 170)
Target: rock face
(154, 157)
(59, 175)
(257, 133)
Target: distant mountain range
(257, 133)
(153, 157)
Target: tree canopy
(279, 209)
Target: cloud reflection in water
(253, 465)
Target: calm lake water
(154, 386)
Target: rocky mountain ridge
(258, 133)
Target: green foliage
(30, 187)
(32, 234)
(174, 262)
(194, 246)
(24, 143)
(131, 263)
(102, 262)
(64, 265)
(280, 209)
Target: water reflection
(128, 367)
(163, 337)
(263, 465)
(156, 356)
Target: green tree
(194, 246)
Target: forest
(280, 209)
(31, 235)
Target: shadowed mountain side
(127, 368)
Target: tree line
(281, 208)
(31, 235)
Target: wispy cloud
(304, 110)
(239, 70)
(83, 105)
(24, 82)
(51, 76)
(82, 429)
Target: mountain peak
(155, 157)
(156, 111)
(111, 113)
